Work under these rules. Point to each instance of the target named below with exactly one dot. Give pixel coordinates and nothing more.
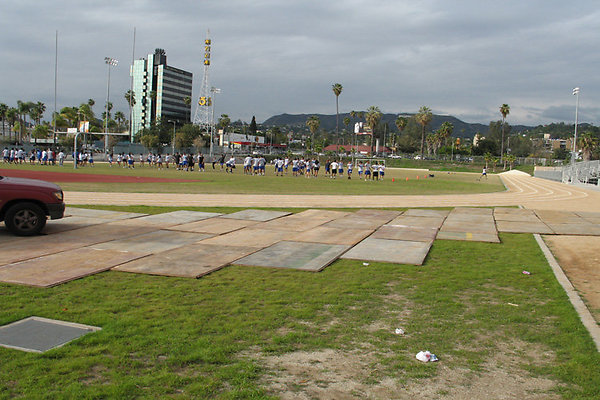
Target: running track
(522, 189)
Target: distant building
(159, 91)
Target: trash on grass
(512, 304)
(426, 356)
(526, 272)
(399, 331)
(365, 264)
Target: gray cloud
(464, 58)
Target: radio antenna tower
(204, 104)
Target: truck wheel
(25, 219)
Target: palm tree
(337, 90)
(91, 102)
(313, 122)
(587, 142)
(119, 117)
(187, 100)
(11, 116)
(346, 122)
(3, 111)
(423, 118)
(373, 118)
(224, 122)
(504, 110)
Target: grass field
(259, 333)
(219, 182)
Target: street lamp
(214, 91)
(173, 141)
(110, 62)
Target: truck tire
(25, 219)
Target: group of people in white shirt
(41, 156)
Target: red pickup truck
(26, 203)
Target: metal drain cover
(37, 334)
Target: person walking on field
(483, 173)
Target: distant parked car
(25, 204)
(417, 157)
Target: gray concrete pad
(391, 251)
(523, 227)
(417, 222)
(37, 335)
(559, 217)
(410, 233)
(382, 214)
(102, 214)
(329, 215)
(418, 212)
(295, 255)
(63, 267)
(469, 236)
(515, 214)
(293, 224)
(326, 235)
(215, 226)
(249, 237)
(191, 261)
(464, 226)
(153, 242)
(169, 219)
(70, 223)
(256, 215)
(581, 229)
(473, 211)
(37, 246)
(357, 222)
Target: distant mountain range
(461, 128)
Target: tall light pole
(214, 91)
(173, 141)
(574, 154)
(111, 62)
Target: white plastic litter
(399, 331)
(365, 264)
(426, 356)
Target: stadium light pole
(173, 141)
(574, 154)
(111, 62)
(214, 91)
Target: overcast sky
(463, 58)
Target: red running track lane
(81, 177)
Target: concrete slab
(192, 261)
(37, 246)
(214, 226)
(418, 212)
(256, 215)
(295, 255)
(582, 229)
(70, 223)
(63, 267)
(37, 335)
(357, 222)
(469, 236)
(464, 226)
(293, 224)
(326, 235)
(473, 211)
(248, 237)
(382, 214)
(103, 214)
(153, 242)
(169, 219)
(523, 227)
(559, 217)
(391, 251)
(588, 214)
(522, 215)
(409, 233)
(417, 222)
(320, 214)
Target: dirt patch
(579, 258)
(341, 374)
(52, 176)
